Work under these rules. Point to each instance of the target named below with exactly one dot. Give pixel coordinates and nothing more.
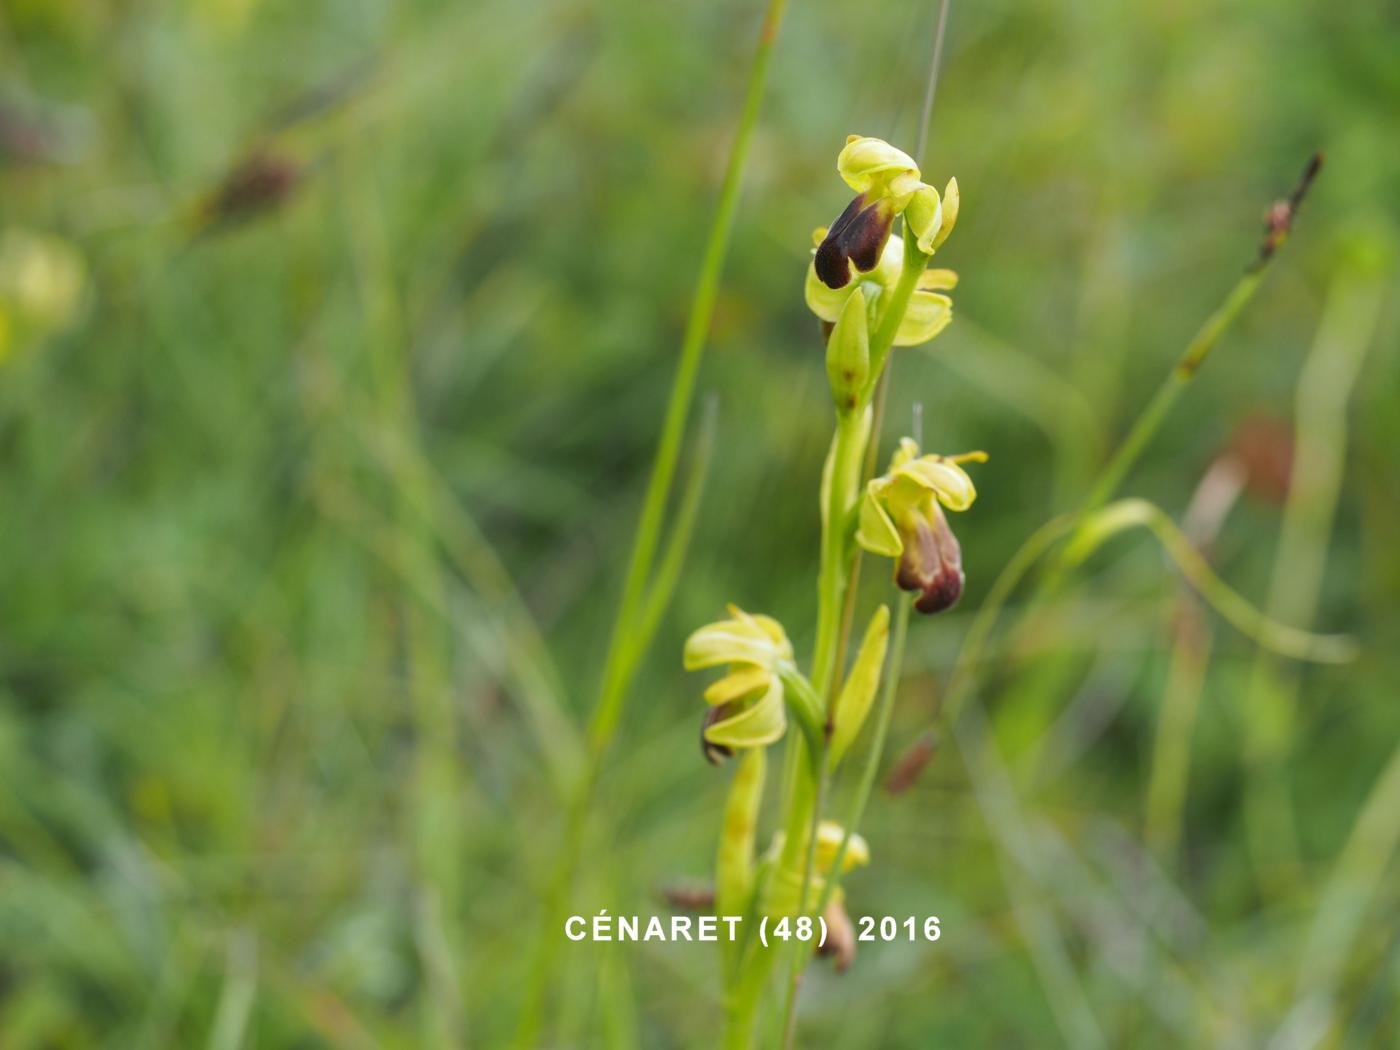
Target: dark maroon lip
(858, 236)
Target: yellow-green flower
(885, 179)
(829, 836)
(928, 313)
(784, 887)
(887, 184)
(42, 278)
(901, 516)
(746, 705)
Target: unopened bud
(848, 354)
(924, 217)
(950, 213)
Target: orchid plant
(872, 290)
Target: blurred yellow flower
(41, 286)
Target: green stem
(1105, 486)
(893, 314)
(847, 448)
(847, 458)
(741, 1007)
(803, 949)
(618, 666)
(1270, 703)
(866, 785)
(612, 693)
(734, 881)
(1152, 417)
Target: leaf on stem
(861, 685)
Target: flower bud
(924, 217)
(848, 354)
(950, 213)
(257, 185)
(829, 838)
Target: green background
(275, 740)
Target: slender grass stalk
(608, 707)
(1282, 639)
(1150, 420)
(1350, 889)
(1171, 750)
(623, 649)
(1216, 495)
(1324, 390)
(1206, 339)
(1139, 436)
(434, 825)
(239, 993)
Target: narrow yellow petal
(946, 480)
(729, 642)
(938, 280)
(737, 685)
(829, 836)
(876, 532)
(761, 723)
(928, 314)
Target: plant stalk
(619, 665)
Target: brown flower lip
(931, 564)
(857, 236)
(259, 183)
(715, 754)
(841, 942)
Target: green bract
(861, 684)
(848, 354)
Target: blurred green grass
(267, 775)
